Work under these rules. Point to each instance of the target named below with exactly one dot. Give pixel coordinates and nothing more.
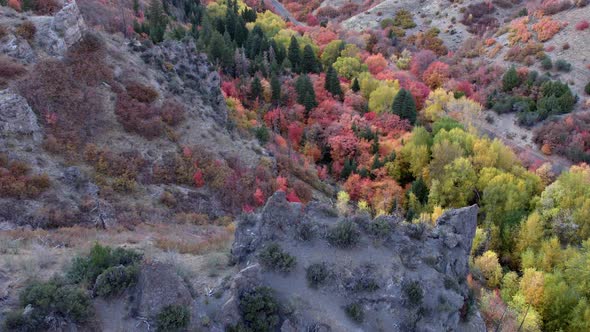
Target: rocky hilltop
(354, 273)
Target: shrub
(413, 292)
(52, 298)
(16, 181)
(259, 309)
(317, 274)
(138, 117)
(355, 312)
(379, 228)
(546, 63)
(27, 30)
(403, 18)
(172, 318)
(583, 25)
(344, 235)
(141, 92)
(262, 134)
(587, 88)
(10, 69)
(172, 112)
(563, 65)
(275, 258)
(88, 268)
(3, 31)
(546, 28)
(115, 279)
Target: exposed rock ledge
(435, 259)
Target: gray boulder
(159, 286)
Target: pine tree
(332, 83)
(136, 7)
(255, 88)
(510, 79)
(275, 87)
(216, 47)
(356, 87)
(157, 21)
(404, 106)
(294, 54)
(310, 62)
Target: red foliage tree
(436, 74)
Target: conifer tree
(294, 54)
(404, 106)
(356, 87)
(332, 83)
(255, 88)
(157, 21)
(275, 87)
(310, 62)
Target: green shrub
(344, 235)
(262, 134)
(546, 63)
(115, 279)
(379, 228)
(259, 309)
(88, 268)
(355, 312)
(52, 298)
(172, 318)
(305, 231)
(413, 292)
(563, 65)
(403, 18)
(587, 88)
(317, 274)
(275, 258)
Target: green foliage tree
(404, 106)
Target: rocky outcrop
(188, 73)
(18, 122)
(404, 277)
(55, 34)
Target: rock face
(188, 74)
(56, 34)
(405, 277)
(17, 120)
(159, 286)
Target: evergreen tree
(510, 79)
(136, 6)
(216, 47)
(332, 84)
(356, 87)
(305, 93)
(404, 106)
(255, 88)
(275, 87)
(420, 189)
(157, 21)
(310, 62)
(294, 54)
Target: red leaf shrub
(142, 93)
(582, 25)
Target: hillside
(230, 165)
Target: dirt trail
(282, 11)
